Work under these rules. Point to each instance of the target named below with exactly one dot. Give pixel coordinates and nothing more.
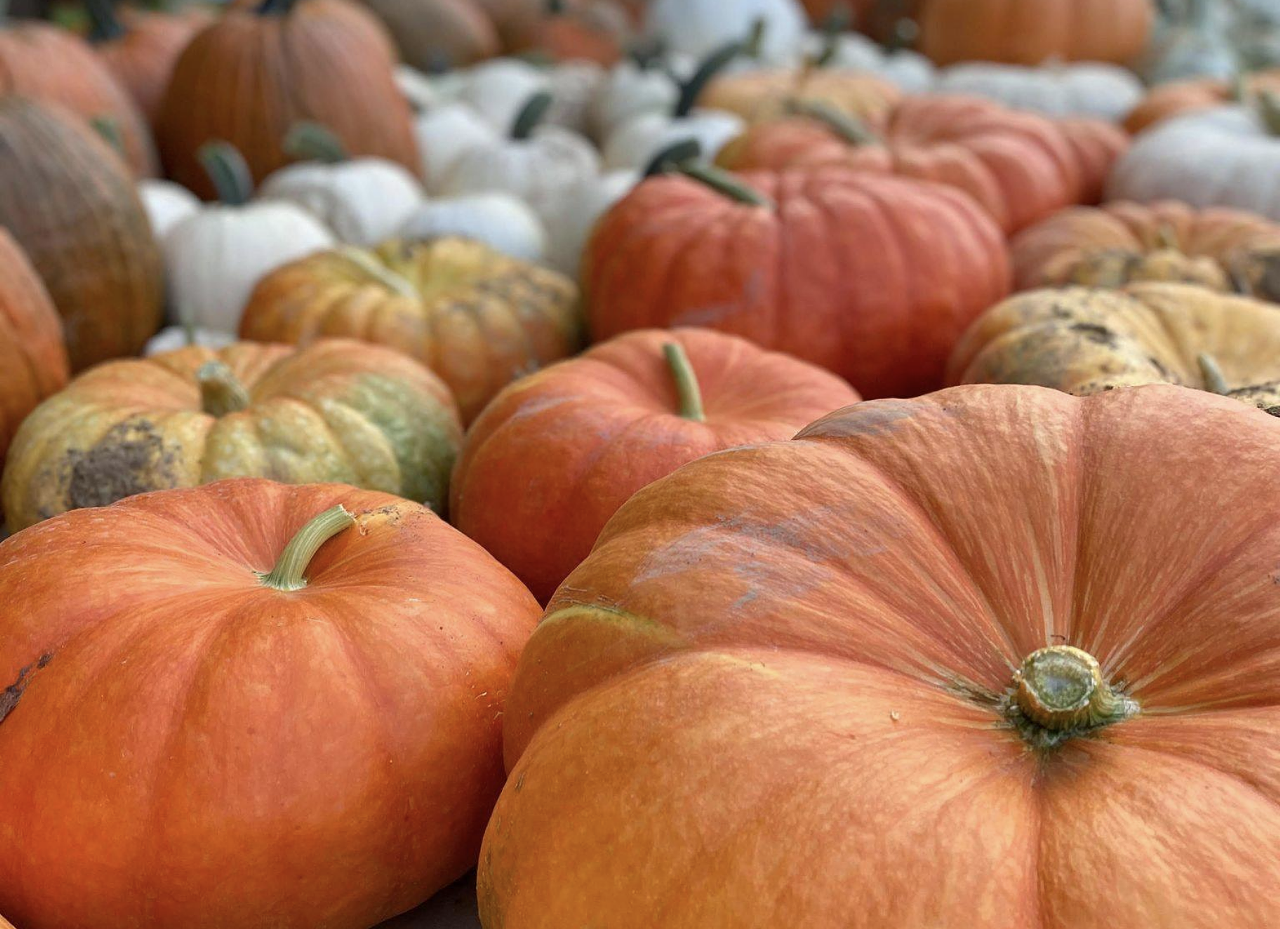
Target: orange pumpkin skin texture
(1097, 146)
(143, 56)
(254, 757)
(33, 360)
(765, 94)
(857, 603)
(1183, 97)
(1018, 166)
(596, 429)
(1031, 31)
(253, 75)
(91, 242)
(868, 276)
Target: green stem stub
(712, 65)
(221, 393)
(315, 142)
(1269, 110)
(725, 183)
(1214, 380)
(531, 115)
(850, 129)
(290, 571)
(1059, 692)
(229, 172)
(687, 389)
(672, 157)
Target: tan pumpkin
(71, 204)
(765, 94)
(337, 411)
(478, 318)
(1182, 97)
(1087, 341)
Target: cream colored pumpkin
(697, 27)
(909, 71)
(445, 135)
(166, 204)
(635, 143)
(1103, 91)
(629, 91)
(501, 221)
(362, 201)
(173, 338)
(498, 90)
(570, 226)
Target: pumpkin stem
(109, 131)
(838, 21)
(106, 25)
(710, 66)
(290, 571)
(686, 379)
(275, 7)
(310, 141)
(903, 35)
(556, 8)
(1166, 237)
(725, 183)
(228, 171)
(754, 44)
(1214, 380)
(370, 265)
(531, 115)
(1269, 110)
(221, 392)
(849, 128)
(670, 158)
(1060, 691)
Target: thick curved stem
(1214, 380)
(849, 128)
(1269, 110)
(310, 141)
(672, 157)
(221, 392)
(725, 183)
(1061, 689)
(290, 571)
(712, 65)
(686, 379)
(228, 171)
(106, 25)
(531, 115)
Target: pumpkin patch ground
(671, 464)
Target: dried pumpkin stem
(290, 571)
(106, 25)
(221, 393)
(686, 379)
(310, 141)
(712, 65)
(229, 172)
(1061, 689)
(1214, 380)
(531, 115)
(725, 183)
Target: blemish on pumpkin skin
(10, 696)
(131, 458)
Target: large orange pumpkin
(193, 739)
(955, 662)
(871, 277)
(259, 71)
(556, 454)
(1097, 146)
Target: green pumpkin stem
(849, 128)
(672, 157)
(106, 24)
(290, 571)
(531, 115)
(109, 131)
(1214, 380)
(839, 21)
(221, 392)
(753, 46)
(1269, 110)
(686, 379)
(309, 141)
(275, 7)
(710, 66)
(1060, 690)
(1167, 237)
(726, 183)
(228, 171)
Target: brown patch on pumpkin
(1095, 333)
(130, 459)
(10, 696)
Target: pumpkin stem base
(290, 571)
(1059, 693)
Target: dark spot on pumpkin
(10, 696)
(1273, 410)
(1095, 333)
(1161, 369)
(130, 459)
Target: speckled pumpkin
(474, 316)
(1086, 341)
(337, 411)
(1125, 242)
(756, 95)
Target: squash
(1098, 145)
(570, 224)
(33, 360)
(594, 32)
(72, 205)
(503, 222)
(939, 662)
(50, 65)
(766, 94)
(699, 27)
(258, 71)
(909, 71)
(1030, 32)
(166, 204)
(1091, 89)
(1123, 242)
(1017, 166)
(573, 85)
(316, 743)
(436, 35)
(338, 410)
(1087, 341)
(499, 90)
(590, 432)
(478, 319)
(869, 276)
(1183, 97)
(628, 91)
(446, 134)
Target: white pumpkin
(573, 86)
(1195, 43)
(166, 203)
(910, 71)
(446, 134)
(174, 337)
(1225, 156)
(423, 91)
(498, 89)
(698, 27)
(570, 226)
(630, 90)
(634, 144)
(1103, 91)
(501, 221)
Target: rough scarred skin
(760, 95)
(774, 695)
(339, 410)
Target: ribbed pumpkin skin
(251, 77)
(1032, 31)
(475, 317)
(340, 411)
(143, 58)
(435, 33)
(51, 65)
(766, 698)
(33, 360)
(70, 203)
(1169, 100)
(1097, 146)
(256, 759)
(757, 95)
(556, 454)
(869, 276)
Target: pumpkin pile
(640, 464)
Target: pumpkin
(1098, 146)
(1123, 242)
(435, 35)
(1017, 166)
(1183, 97)
(573, 85)
(1087, 341)
(699, 27)
(570, 224)
(446, 134)
(499, 90)
(316, 743)
(503, 222)
(214, 257)
(141, 47)
(1195, 42)
(477, 318)
(48, 64)
(257, 72)
(578, 32)
(166, 204)
(1030, 32)
(909, 71)
(598, 428)
(172, 338)
(89, 241)
(869, 276)
(338, 410)
(33, 360)
(939, 662)
(1088, 89)
(628, 91)
(765, 94)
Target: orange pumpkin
(258, 72)
(314, 744)
(1032, 31)
(953, 662)
(871, 277)
(72, 205)
(1018, 166)
(556, 454)
(1097, 146)
(436, 35)
(33, 361)
(579, 32)
(1182, 97)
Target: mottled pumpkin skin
(772, 695)
(254, 758)
(869, 276)
(72, 206)
(1181, 97)
(1125, 242)
(143, 58)
(555, 455)
(1085, 341)
(763, 94)
(338, 410)
(475, 317)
